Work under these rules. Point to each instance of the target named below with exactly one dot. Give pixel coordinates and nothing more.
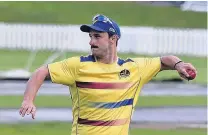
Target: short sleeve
(148, 67)
(64, 72)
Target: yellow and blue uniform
(103, 95)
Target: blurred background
(37, 33)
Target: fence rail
(142, 40)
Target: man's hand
(182, 69)
(27, 108)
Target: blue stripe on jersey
(112, 104)
(121, 61)
(87, 58)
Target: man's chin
(95, 53)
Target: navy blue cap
(102, 23)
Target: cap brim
(88, 28)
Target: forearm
(34, 83)
(168, 62)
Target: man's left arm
(174, 63)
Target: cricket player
(104, 88)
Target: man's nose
(92, 42)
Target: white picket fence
(141, 40)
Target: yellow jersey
(103, 95)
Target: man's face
(99, 42)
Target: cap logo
(112, 30)
(94, 21)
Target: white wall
(142, 40)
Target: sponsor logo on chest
(124, 73)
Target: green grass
(125, 13)
(144, 101)
(18, 59)
(65, 129)
(11, 59)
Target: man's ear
(114, 38)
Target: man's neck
(108, 59)
(110, 56)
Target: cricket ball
(191, 73)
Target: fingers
(23, 110)
(190, 66)
(27, 109)
(182, 70)
(183, 76)
(33, 112)
(184, 73)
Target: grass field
(144, 101)
(11, 59)
(65, 129)
(125, 13)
